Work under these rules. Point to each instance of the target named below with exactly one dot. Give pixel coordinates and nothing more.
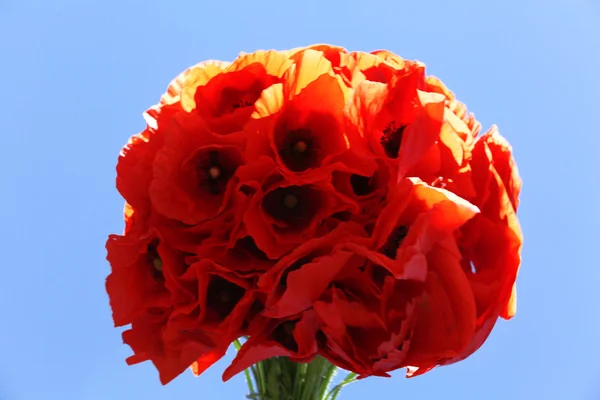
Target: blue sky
(76, 76)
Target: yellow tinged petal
(309, 67)
(269, 102)
(318, 47)
(326, 94)
(511, 307)
(275, 63)
(391, 58)
(171, 96)
(367, 100)
(199, 75)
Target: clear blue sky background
(75, 77)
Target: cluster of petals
(318, 202)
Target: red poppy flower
(371, 67)
(365, 181)
(133, 176)
(292, 337)
(283, 213)
(494, 239)
(398, 122)
(300, 278)
(320, 202)
(433, 84)
(302, 120)
(145, 272)
(219, 302)
(224, 95)
(490, 243)
(354, 67)
(356, 334)
(365, 276)
(447, 162)
(376, 331)
(198, 331)
(391, 58)
(170, 357)
(134, 167)
(193, 170)
(338, 57)
(242, 256)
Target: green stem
(299, 380)
(280, 379)
(328, 377)
(238, 346)
(314, 378)
(261, 378)
(335, 392)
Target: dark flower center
(298, 150)
(290, 201)
(213, 172)
(222, 296)
(361, 185)
(392, 139)
(248, 245)
(294, 267)
(242, 103)
(321, 339)
(394, 241)
(284, 334)
(256, 308)
(153, 259)
(379, 274)
(294, 205)
(233, 98)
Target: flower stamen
(157, 264)
(214, 172)
(290, 201)
(299, 147)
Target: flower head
(319, 202)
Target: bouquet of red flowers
(332, 208)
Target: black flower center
(284, 334)
(256, 308)
(379, 274)
(294, 205)
(222, 296)
(298, 150)
(290, 201)
(242, 103)
(392, 139)
(248, 245)
(213, 172)
(394, 240)
(233, 98)
(153, 258)
(361, 185)
(294, 267)
(321, 339)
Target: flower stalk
(279, 378)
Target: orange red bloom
(318, 202)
